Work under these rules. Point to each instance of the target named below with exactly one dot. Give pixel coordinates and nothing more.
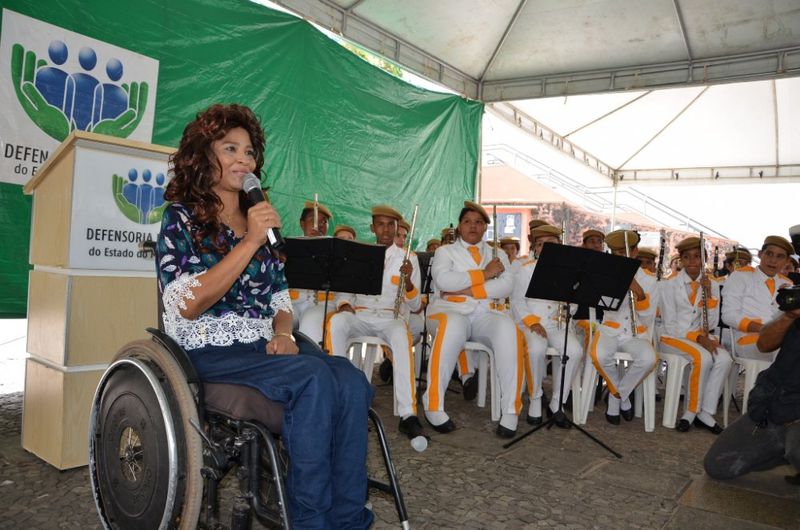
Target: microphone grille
(251, 182)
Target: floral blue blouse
(243, 314)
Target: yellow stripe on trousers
(435, 360)
(522, 349)
(593, 352)
(694, 379)
(413, 374)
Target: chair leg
(649, 401)
(672, 391)
(496, 402)
(394, 485)
(483, 374)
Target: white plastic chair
(486, 366)
(364, 358)
(751, 367)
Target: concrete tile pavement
(466, 480)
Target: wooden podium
(92, 289)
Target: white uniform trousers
(299, 308)
(494, 330)
(467, 361)
(708, 373)
(745, 346)
(312, 318)
(395, 332)
(537, 362)
(602, 350)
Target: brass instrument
(401, 285)
(631, 296)
(662, 251)
(703, 294)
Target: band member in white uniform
(749, 296)
(468, 280)
(681, 303)
(539, 321)
(373, 315)
(616, 334)
(344, 232)
(308, 304)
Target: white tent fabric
(738, 125)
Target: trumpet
(703, 294)
(401, 285)
(631, 296)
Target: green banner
(336, 126)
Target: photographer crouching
(769, 434)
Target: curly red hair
(194, 162)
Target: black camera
(788, 298)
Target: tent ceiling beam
(609, 113)
(775, 120)
(781, 174)
(502, 40)
(664, 128)
(771, 64)
(682, 27)
(518, 118)
(366, 34)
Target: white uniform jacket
(455, 269)
(749, 298)
(383, 304)
(681, 307)
(619, 322)
(530, 311)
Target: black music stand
(425, 262)
(334, 264)
(576, 275)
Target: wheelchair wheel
(145, 456)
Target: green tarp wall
(336, 125)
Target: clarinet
(401, 285)
(662, 250)
(703, 294)
(631, 296)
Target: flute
(316, 212)
(401, 285)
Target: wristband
(291, 337)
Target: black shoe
(612, 419)
(411, 427)
(443, 428)
(794, 480)
(683, 425)
(627, 415)
(385, 371)
(561, 421)
(715, 429)
(503, 432)
(470, 387)
(534, 420)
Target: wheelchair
(161, 441)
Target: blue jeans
(326, 401)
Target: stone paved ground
(552, 479)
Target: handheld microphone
(252, 188)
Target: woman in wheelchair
(226, 302)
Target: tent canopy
(519, 49)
